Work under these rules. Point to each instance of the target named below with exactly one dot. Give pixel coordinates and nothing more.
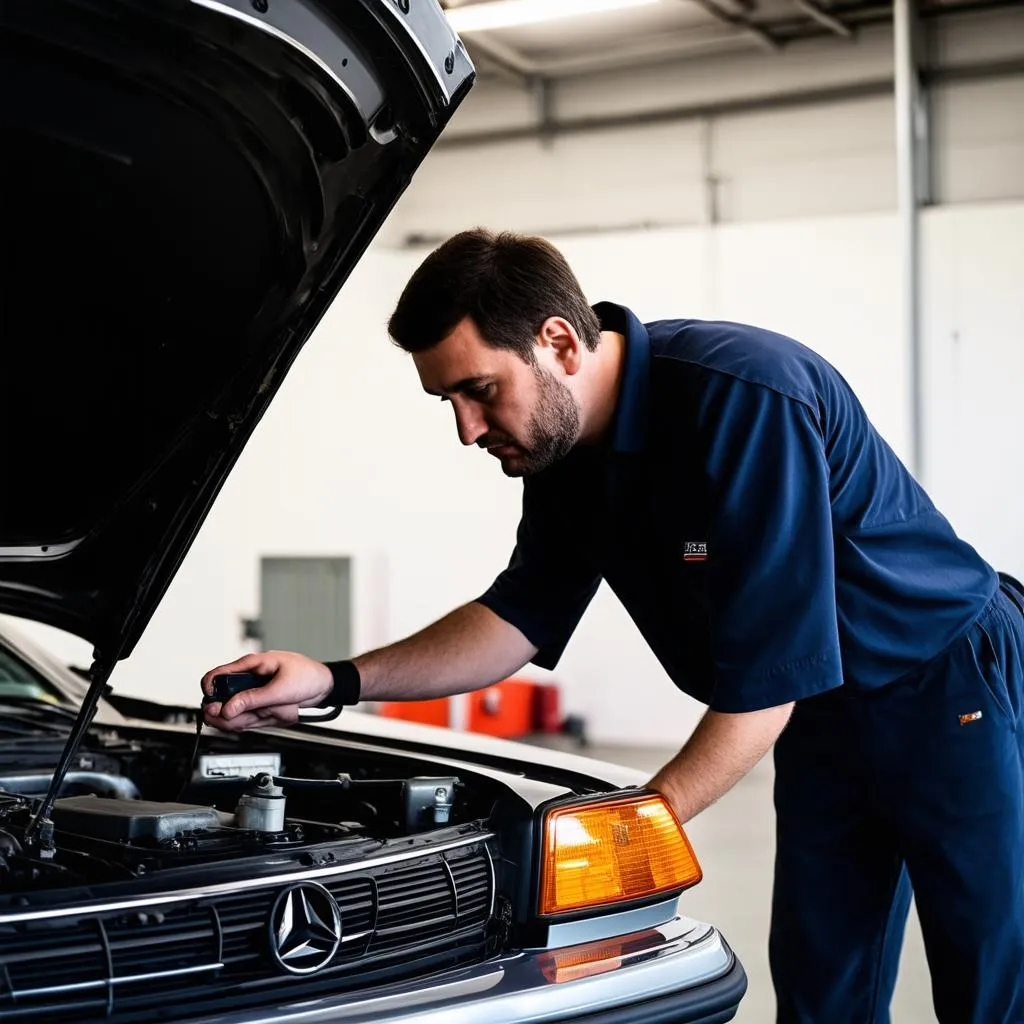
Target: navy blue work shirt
(766, 541)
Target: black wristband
(347, 685)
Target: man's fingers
(285, 691)
(247, 720)
(272, 698)
(259, 663)
(241, 723)
(290, 681)
(250, 700)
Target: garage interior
(850, 173)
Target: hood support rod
(99, 672)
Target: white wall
(974, 374)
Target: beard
(553, 430)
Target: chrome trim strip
(572, 933)
(128, 903)
(166, 974)
(357, 935)
(49, 990)
(77, 986)
(494, 882)
(455, 889)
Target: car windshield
(19, 681)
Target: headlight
(613, 851)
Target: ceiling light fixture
(481, 17)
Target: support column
(913, 170)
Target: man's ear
(560, 337)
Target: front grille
(473, 883)
(48, 970)
(127, 966)
(414, 904)
(164, 943)
(243, 917)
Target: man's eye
(481, 391)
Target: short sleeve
(550, 579)
(771, 562)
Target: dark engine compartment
(135, 805)
(160, 885)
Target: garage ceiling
(666, 30)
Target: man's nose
(470, 423)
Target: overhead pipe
(754, 103)
(815, 11)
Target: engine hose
(191, 766)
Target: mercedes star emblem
(305, 928)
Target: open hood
(187, 184)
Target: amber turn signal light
(611, 852)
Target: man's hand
(722, 749)
(469, 648)
(295, 682)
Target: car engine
(129, 808)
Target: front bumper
(681, 972)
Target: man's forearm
(722, 749)
(469, 648)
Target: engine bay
(133, 804)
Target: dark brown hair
(508, 283)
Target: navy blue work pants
(918, 788)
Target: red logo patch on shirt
(695, 551)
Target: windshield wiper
(35, 707)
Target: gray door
(306, 605)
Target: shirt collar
(629, 427)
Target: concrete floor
(735, 841)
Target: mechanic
(786, 570)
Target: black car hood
(187, 184)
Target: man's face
(523, 415)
